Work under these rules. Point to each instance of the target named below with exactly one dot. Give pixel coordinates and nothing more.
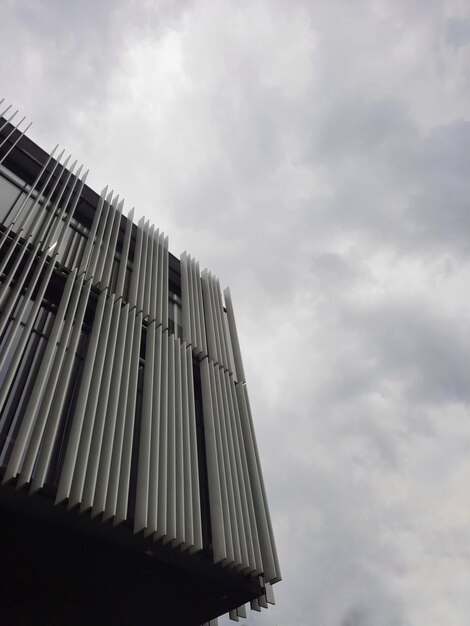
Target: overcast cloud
(315, 156)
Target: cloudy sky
(315, 156)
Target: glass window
(175, 319)
(9, 194)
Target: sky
(315, 156)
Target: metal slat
(219, 311)
(143, 270)
(80, 469)
(269, 563)
(223, 327)
(60, 396)
(262, 601)
(42, 235)
(234, 336)
(114, 471)
(47, 422)
(148, 276)
(72, 208)
(155, 437)
(111, 251)
(92, 234)
(185, 299)
(171, 457)
(8, 121)
(160, 278)
(192, 305)
(98, 241)
(78, 186)
(33, 206)
(96, 443)
(278, 577)
(210, 328)
(234, 467)
(198, 319)
(190, 298)
(103, 249)
(27, 328)
(245, 524)
(200, 306)
(117, 382)
(2, 114)
(15, 243)
(153, 307)
(196, 503)
(165, 284)
(222, 472)
(179, 463)
(7, 137)
(163, 444)
(142, 491)
(16, 141)
(252, 529)
(124, 475)
(100, 412)
(220, 357)
(65, 482)
(51, 387)
(39, 385)
(120, 282)
(8, 307)
(25, 201)
(269, 593)
(231, 362)
(186, 441)
(215, 492)
(227, 461)
(134, 286)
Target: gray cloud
(457, 32)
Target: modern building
(132, 490)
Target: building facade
(128, 457)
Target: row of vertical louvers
(129, 285)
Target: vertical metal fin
(268, 549)
(98, 411)
(163, 443)
(65, 482)
(237, 356)
(134, 286)
(216, 496)
(171, 454)
(95, 387)
(39, 385)
(142, 493)
(179, 448)
(196, 503)
(116, 384)
(86, 258)
(51, 387)
(58, 403)
(153, 493)
(124, 256)
(126, 455)
(121, 424)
